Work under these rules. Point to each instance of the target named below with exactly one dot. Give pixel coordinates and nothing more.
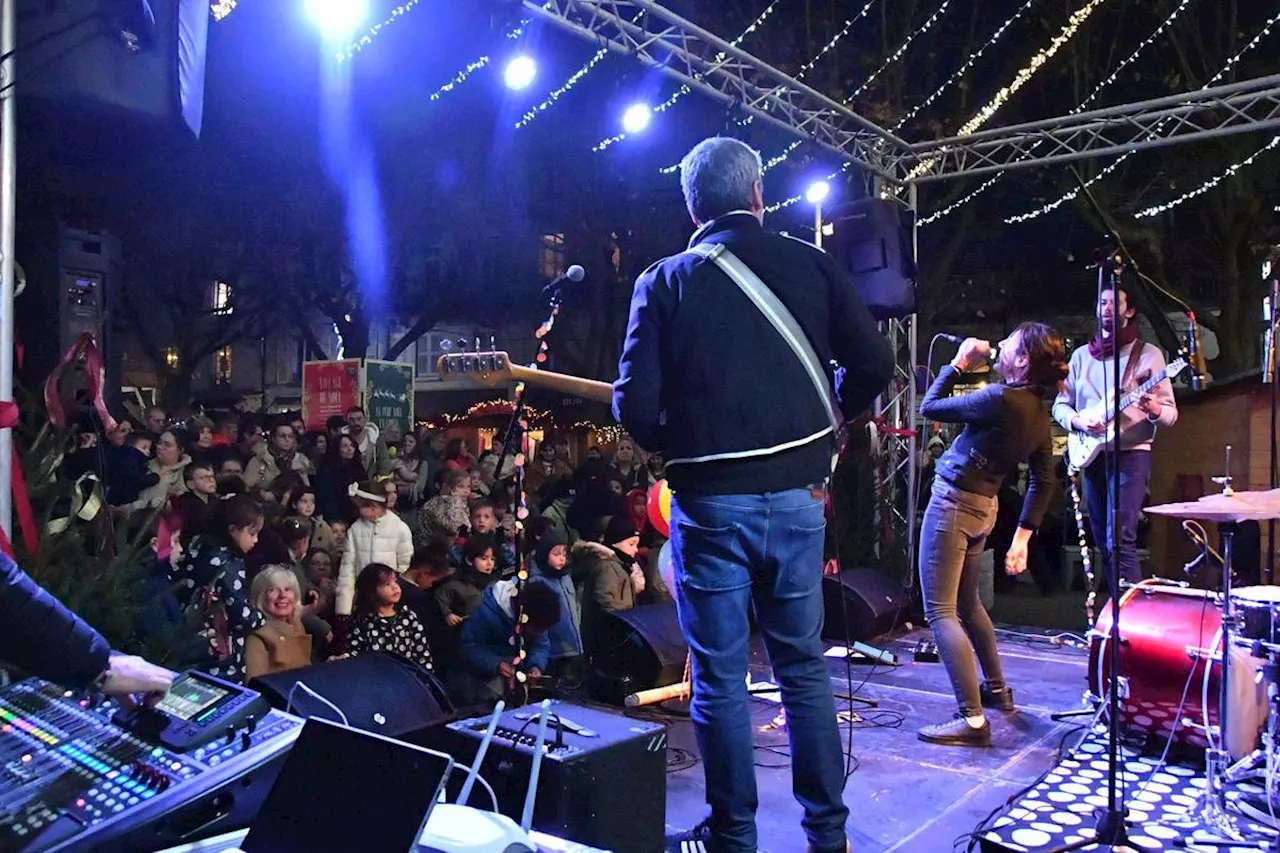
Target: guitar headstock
(1175, 367)
(483, 368)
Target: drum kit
(1174, 638)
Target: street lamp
(816, 195)
(520, 73)
(636, 119)
(337, 18)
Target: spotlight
(520, 72)
(637, 117)
(337, 18)
(817, 192)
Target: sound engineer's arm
(42, 637)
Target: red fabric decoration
(84, 350)
(21, 500)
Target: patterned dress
(402, 634)
(214, 591)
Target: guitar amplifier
(603, 779)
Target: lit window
(171, 358)
(222, 366)
(222, 298)
(551, 255)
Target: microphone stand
(1111, 831)
(517, 430)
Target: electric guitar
(1083, 447)
(491, 369)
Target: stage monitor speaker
(643, 644)
(868, 601)
(73, 277)
(142, 60)
(873, 244)
(604, 775)
(378, 693)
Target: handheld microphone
(574, 274)
(1200, 378)
(957, 340)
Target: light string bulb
(367, 39)
(969, 63)
(1208, 185)
(573, 80)
(685, 89)
(1024, 76)
(221, 8)
(1073, 194)
(898, 54)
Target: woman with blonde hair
(282, 643)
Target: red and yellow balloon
(660, 507)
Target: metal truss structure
(1244, 107)
(704, 62)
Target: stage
(906, 795)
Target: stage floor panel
(905, 796)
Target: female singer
(1005, 424)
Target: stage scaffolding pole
(8, 197)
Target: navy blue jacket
(704, 373)
(42, 637)
(486, 634)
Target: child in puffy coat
(551, 566)
(378, 536)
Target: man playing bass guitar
(1077, 409)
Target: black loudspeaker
(73, 278)
(868, 601)
(142, 60)
(378, 693)
(873, 243)
(643, 645)
(604, 776)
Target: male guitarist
(1091, 376)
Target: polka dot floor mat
(1061, 809)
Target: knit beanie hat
(546, 544)
(619, 529)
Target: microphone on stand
(574, 274)
(1200, 378)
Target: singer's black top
(1004, 425)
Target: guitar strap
(1135, 355)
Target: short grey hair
(275, 577)
(717, 176)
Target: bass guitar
(491, 369)
(1083, 447)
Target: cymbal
(1241, 506)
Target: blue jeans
(953, 536)
(728, 551)
(1135, 475)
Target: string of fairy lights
(221, 8)
(900, 52)
(1107, 81)
(372, 33)
(1208, 185)
(563, 89)
(1039, 60)
(1024, 75)
(605, 144)
(779, 159)
(1111, 167)
(465, 73)
(969, 63)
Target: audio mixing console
(77, 775)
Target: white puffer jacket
(387, 540)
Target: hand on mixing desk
(129, 676)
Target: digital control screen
(189, 696)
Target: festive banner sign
(389, 394)
(329, 388)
